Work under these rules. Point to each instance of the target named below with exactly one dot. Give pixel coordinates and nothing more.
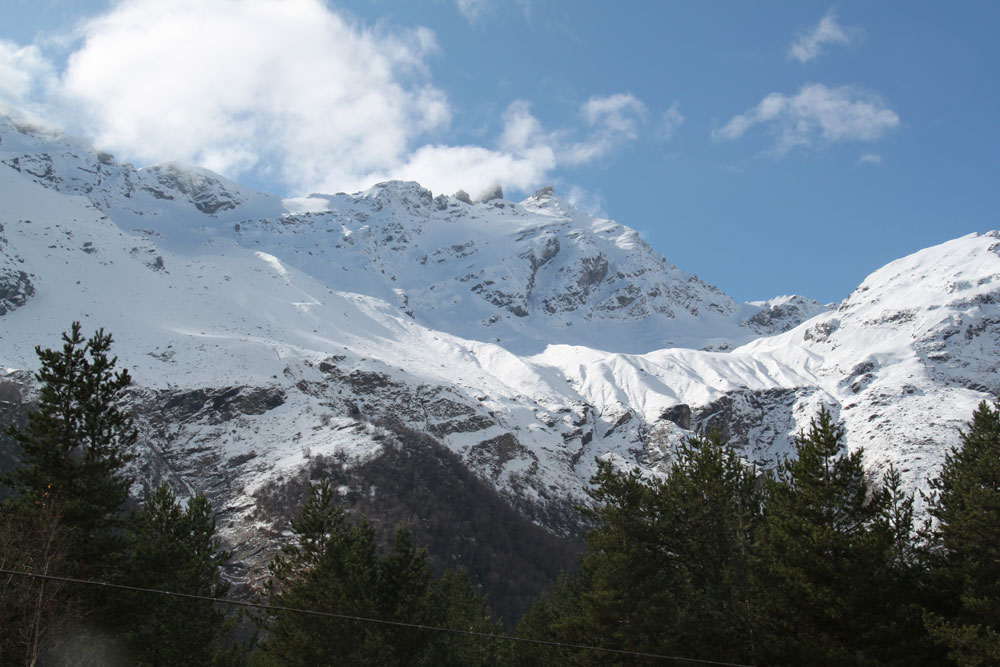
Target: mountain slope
(269, 337)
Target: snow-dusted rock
(529, 338)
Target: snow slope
(528, 337)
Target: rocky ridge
(269, 338)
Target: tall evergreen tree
(625, 590)
(334, 566)
(667, 568)
(169, 547)
(827, 546)
(70, 489)
(709, 510)
(78, 441)
(965, 544)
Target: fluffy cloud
(814, 117)
(283, 86)
(809, 45)
(23, 70)
(289, 92)
(870, 158)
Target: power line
(362, 619)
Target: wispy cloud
(670, 120)
(289, 91)
(472, 9)
(814, 117)
(586, 201)
(809, 45)
(613, 120)
(870, 158)
(526, 153)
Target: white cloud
(526, 153)
(614, 120)
(292, 93)
(284, 86)
(473, 168)
(870, 158)
(809, 45)
(616, 113)
(472, 9)
(670, 120)
(814, 117)
(588, 202)
(23, 70)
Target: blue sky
(769, 147)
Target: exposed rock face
(523, 341)
(679, 414)
(783, 314)
(208, 193)
(15, 284)
(15, 290)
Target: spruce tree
(624, 588)
(69, 493)
(173, 548)
(709, 509)
(827, 548)
(965, 544)
(77, 443)
(667, 568)
(334, 566)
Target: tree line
(816, 562)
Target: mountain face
(273, 340)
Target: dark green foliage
(814, 566)
(67, 518)
(69, 493)
(623, 590)
(814, 540)
(833, 553)
(77, 442)
(709, 511)
(667, 570)
(173, 548)
(334, 566)
(964, 549)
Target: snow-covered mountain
(268, 335)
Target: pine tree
(462, 606)
(708, 512)
(623, 588)
(69, 491)
(336, 567)
(172, 548)
(826, 550)
(965, 544)
(667, 568)
(77, 443)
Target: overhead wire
(363, 619)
